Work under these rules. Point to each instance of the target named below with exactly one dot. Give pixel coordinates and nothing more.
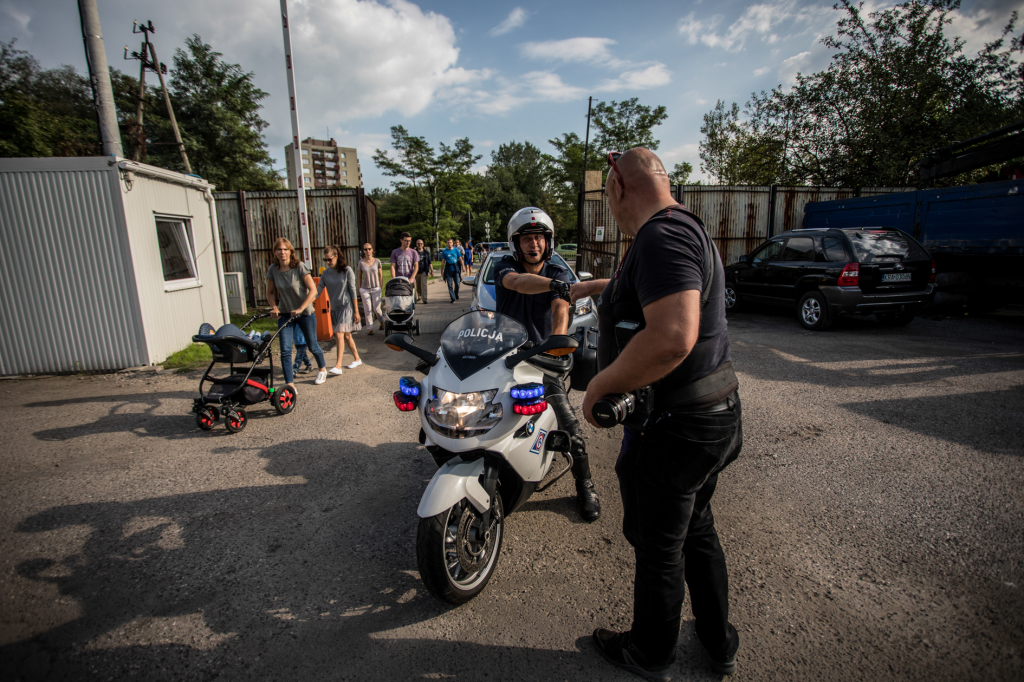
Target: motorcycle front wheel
(457, 557)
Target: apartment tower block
(324, 164)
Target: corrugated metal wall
(738, 218)
(263, 217)
(70, 300)
(170, 318)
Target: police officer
(670, 288)
(527, 286)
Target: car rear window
(880, 246)
(799, 249)
(834, 250)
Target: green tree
(565, 181)
(217, 107)
(627, 124)
(897, 87)
(435, 184)
(680, 174)
(44, 113)
(516, 178)
(735, 154)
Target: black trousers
(667, 476)
(565, 415)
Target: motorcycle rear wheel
(454, 567)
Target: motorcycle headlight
(584, 306)
(463, 415)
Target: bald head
(641, 191)
(642, 169)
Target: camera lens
(613, 409)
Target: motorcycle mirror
(400, 342)
(558, 344)
(560, 351)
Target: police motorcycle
(485, 421)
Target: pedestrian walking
(669, 288)
(290, 284)
(425, 270)
(371, 275)
(340, 283)
(301, 357)
(452, 259)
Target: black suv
(828, 272)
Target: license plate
(896, 277)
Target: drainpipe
(212, 205)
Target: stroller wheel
(236, 420)
(417, 327)
(207, 417)
(284, 400)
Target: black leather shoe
(586, 495)
(619, 651)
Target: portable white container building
(109, 264)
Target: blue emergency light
(527, 391)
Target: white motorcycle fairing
(452, 482)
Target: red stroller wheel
(236, 420)
(206, 418)
(284, 400)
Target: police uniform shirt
(667, 257)
(533, 311)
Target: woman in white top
(340, 282)
(371, 275)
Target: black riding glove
(562, 289)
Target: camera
(631, 409)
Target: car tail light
(536, 407)
(850, 276)
(404, 402)
(935, 271)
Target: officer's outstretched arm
(559, 317)
(525, 283)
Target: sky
(493, 72)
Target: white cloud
(789, 68)
(389, 58)
(593, 50)
(515, 19)
(762, 20)
(640, 79)
(19, 20)
(762, 71)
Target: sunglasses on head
(612, 158)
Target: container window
(177, 250)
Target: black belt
(726, 404)
(665, 397)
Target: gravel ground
(873, 525)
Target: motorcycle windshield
(478, 338)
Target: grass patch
(268, 324)
(193, 356)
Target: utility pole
(296, 150)
(139, 153)
(583, 185)
(160, 70)
(99, 77)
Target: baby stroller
(244, 386)
(400, 307)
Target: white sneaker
(335, 371)
(321, 377)
(353, 365)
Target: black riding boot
(586, 492)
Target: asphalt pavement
(873, 524)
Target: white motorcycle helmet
(530, 220)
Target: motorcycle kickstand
(563, 472)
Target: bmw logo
(529, 428)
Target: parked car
(484, 297)
(566, 250)
(829, 272)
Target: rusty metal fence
(737, 217)
(250, 223)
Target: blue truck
(975, 233)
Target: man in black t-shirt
(671, 285)
(525, 286)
